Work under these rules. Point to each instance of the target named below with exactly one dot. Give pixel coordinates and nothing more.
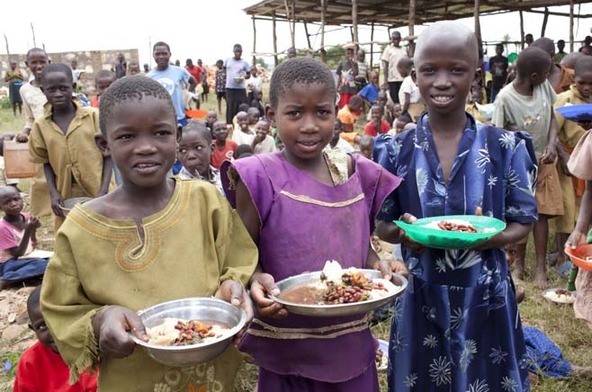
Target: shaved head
(570, 60)
(7, 190)
(532, 60)
(447, 33)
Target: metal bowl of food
(300, 304)
(206, 311)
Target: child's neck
(448, 124)
(140, 202)
(523, 86)
(316, 167)
(221, 143)
(14, 218)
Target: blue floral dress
(457, 327)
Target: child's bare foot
(540, 279)
(582, 372)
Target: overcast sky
(206, 32)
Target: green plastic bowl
(443, 239)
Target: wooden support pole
(411, 27)
(354, 17)
(476, 15)
(323, 15)
(275, 48)
(571, 25)
(290, 16)
(6, 40)
(254, 40)
(293, 23)
(545, 20)
(33, 30)
(372, 45)
(307, 35)
(521, 28)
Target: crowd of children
(222, 223)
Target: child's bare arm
(513, 233)
(106, 176)
(385, 267)
(578, 236)
(56, 198)
(406, 103)
(550, 152)
(29, 235)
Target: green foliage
(261, 63)
(5, 103)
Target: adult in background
(171, 77)
(14, 77)
(120, 68)
(498, 66)
(237, 70)
(390, 58)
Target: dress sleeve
(520, 202)
(37, 145)
(68, 312)
(237, 253)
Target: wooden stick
(571, 25)
(275, 56)
(354, 17)
(545, 20)
(411, 50)
(521, 28)
(254, 41)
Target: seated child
(103, 79)
(263, 143)
(17, 238)
(370, 92)
(257, 102)
(244, 151)
(377, 126)
(152, 240)
(224, 149)
(82, 171)
(253, 117)
(366, 146)
(41, 368)
(195, 153)
(210, 119)
(348, 115)
(337, 142)
(243, 107)
(242, 134)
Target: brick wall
(90, 61)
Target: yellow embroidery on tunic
(131, 253)
(310, 200)
(274, 332)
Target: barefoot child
(527, 105)
(282, 197)
(456, 328)
(41, 368)
(64, 142)
(195, 153)
(17, 238)
(112, 253)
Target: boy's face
(336, 132)
(134, 69)
(195, 153)
(211, 117)
(376, 115)
(258, 95)
(220, 131)
(253, 116)
(162, 56)
(36, 62)
(103, 83)
(243, 122)
(584, 83)
(397, 110)
(37, 325)
(511, 250)
(11, 202)
(446, 69)
(374, 78)
(261, 129)
(304, 117)
(238, 52)
(141, 138)
(499, 50)
(219, 64)
(349, 54)
(57, 88)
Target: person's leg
(519, 269)
(20, 108)
(394, 92)
(230, 98)
(541, 234)
(219, 98)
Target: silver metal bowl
(202, 309)
(396, 287)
